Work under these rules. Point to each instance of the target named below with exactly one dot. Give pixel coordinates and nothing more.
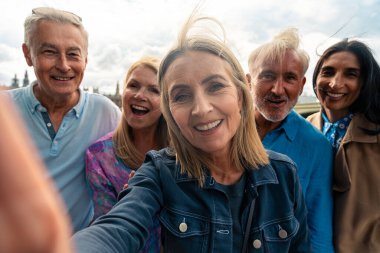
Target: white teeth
(335, 95)
(208, 126)
(61, 78)
(139, 108)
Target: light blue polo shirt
(64, 156)
(313, 154)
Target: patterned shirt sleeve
(103, 191)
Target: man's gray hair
(51, 14)
(275, 50)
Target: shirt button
(48, 124)
(282, 234)
(257, 244)
(183, 227)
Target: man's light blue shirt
(64, 156)
(313, 154)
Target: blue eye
(291, 77)
(181, 97)
(49, 52)
(267, 76)
(74, 55)
(216, 87)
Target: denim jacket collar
(262, 175)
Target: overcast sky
(121, 31)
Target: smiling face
(204, 102)
(141, 99)
(59, 56)
(276, 87)
(338, 84)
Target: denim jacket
(198, 219)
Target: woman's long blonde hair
(123, 137)
(246, 149)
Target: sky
(122, 31)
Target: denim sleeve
(319, 201)
(125, 228)
(301, 242)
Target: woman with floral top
(111, 159)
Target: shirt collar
(355, 130)
(290, 125)
(35, 105)
(262, 175)
(32, 102)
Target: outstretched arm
(31, 213)
(125, 228)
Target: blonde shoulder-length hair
(246, 149)
(123, 137)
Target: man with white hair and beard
(277, 77)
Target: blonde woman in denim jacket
(217, 189)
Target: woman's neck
(145, 140)
(224, 171)
(335, 115)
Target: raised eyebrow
(177, 87)
(74, 49)
(132, 80)
(216, 76)
(52, 46)
(267, 71)
(291, 73)
(154, 86)
(353, 69)
(327, 68)
(47, 45)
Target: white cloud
(121, 31)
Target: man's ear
(302, 85)
(27, 54)
(248, 76)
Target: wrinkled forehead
(196, 65)
(50, 29)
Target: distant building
(15, 82)
(116, 98)
(25, 82)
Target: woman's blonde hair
(123, 137)
(246, 149)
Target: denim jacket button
(183, 227)
(257, 244)
(282, 234)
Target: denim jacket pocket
(184, 232)
(275, 236)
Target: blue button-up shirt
(64, 156)
(313, 154)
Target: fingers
(132, 174)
